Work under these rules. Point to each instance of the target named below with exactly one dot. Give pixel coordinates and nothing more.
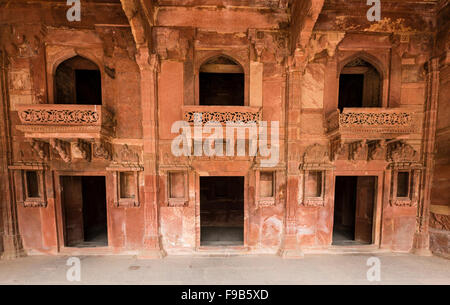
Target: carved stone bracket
(321, 41)
(256, 39)
(171, 44)
(81, 150)
(376, 150)
(41, 148)
(62, 148)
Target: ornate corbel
(62, 148)
(81, 150)
(40, 148)
(256, 39)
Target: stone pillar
(290, 247)
(11, 240)
(148, 65)
(421, 242)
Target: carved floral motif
(374, 119)
(64, 116)
(102, 150)
(223, 117)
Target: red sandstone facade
(294, 58)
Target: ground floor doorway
(354, 202)
(221, 211)
(84, 211)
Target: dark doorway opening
(354, 210)
(221, 211)
(84, 208)
(359, 85)
(351, 91)
(78, 81)
(221, 82)
(88, 88)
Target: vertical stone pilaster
(149, 65)
(290, 247)
(421, 242)
(11, 240)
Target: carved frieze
(102, 150)
(400, 152)
(316, 155)
(365, 124)
(63, 121)
(223, 116)
(54, 116)
(126, 157)
(374, 119)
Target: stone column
(148, 65)
(11, 240)
(421, 242)
(290, 247)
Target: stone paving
(259, 270)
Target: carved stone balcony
(44, 121)
(372, 123)
(223, 114)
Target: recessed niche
(314, 181)
(266, 184)
(127, 185)
(32, 184)
(403, 184)
(176, 185)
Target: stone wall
(440, 200)
(149, 64)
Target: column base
(12, 247)
(421, 244)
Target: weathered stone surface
(291, 55)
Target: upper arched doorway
(78, 81)
(359, 85)
(222, 82)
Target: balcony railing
(372, 123)
(223, 114)
(65, 121)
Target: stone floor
(313, 269)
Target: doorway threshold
(222, 250)
(86, 251)
(353, 249)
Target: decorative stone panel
(65, 121)
(223, 114)
(372, 123)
